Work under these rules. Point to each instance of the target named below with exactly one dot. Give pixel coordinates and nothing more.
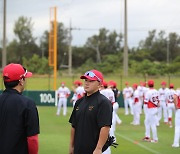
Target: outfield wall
(49, 98)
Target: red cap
(76, 82)
(80, 83)
(126, 83)
(14, 72)
(93, 75)
(112, 83)
(62, 83)
(135, 85)
(144, 84)
(104, 83)
(171, 85)
(150, 83)
(163, 83)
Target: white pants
(141, 100)
(128, 101)
(62, 102)
(163, 108)
(150, 123)
(171, 109)
(145, 108)
(136, 110)
(177, 127)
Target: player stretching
(152, 100)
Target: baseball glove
(110, 142)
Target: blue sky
(143, 15)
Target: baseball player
(107, 91)
(63, 93)
(170, 103)
(152, 100)
(127, 94)
(113, 85)
(78, 91)
(136, 105)
(145, 89)
(140, 88)
(163, 105)
(177, 119)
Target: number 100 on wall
(46, 98)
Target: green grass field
(38, 82)
(55, 134)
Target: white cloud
(143, 15)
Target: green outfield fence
(49, 98)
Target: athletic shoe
(175, 146)
(147, 139)
(154, 141)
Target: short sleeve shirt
(89, 115)
(18, 120)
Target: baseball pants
(150, 123)
(171, 109)
(62, 102)
(177, 128)
(128, 101)
(136, 111)
(163, 108)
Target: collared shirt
(89, 115)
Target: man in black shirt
(19, 121)
(91, 117)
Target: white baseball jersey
(141, 91)
(152, 98)
(79, 92)
(178, 95)
(127, 92)
(162, 94)
(109, 94)
(63, 92)
(170, 95)
(136, 96)
(145, 90)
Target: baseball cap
(104, 83)
(135, 85)
(14, 72)
(163, 83)
(76, 82)
(62, 83)
(150, 82)
(171, 85)
(126, 83)
(93, 75)
(112, 83)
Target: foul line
(139, 144)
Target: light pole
(125, 59)
(167, 51)
(4, 61)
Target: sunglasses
(92, 75)
(23, 75)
